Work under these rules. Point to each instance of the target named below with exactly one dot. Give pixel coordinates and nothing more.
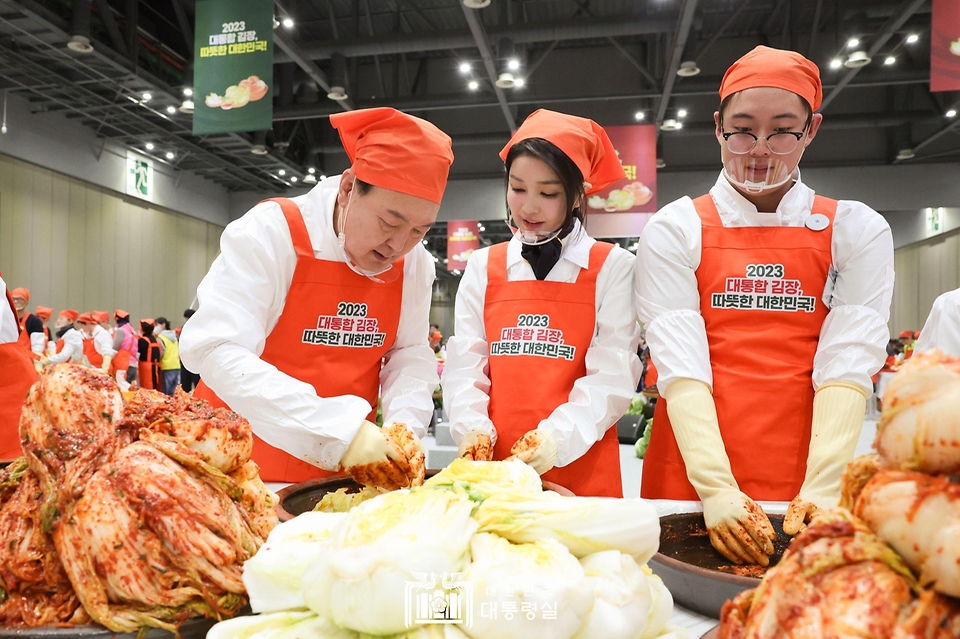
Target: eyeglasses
(781, 143)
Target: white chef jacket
(598, 399)
(38, 342)
(72, 349)
(103, 342)
(858, 290)
(241, 299)
(942, 329)
(9, 327)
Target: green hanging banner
(233, 66)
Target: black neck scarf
(543, 257)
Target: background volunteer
(739, 384)
(554, 272)
(942, 328)
(248, 291)
(17, 374)
(32, 336)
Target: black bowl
(698, 577)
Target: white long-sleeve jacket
(858, 291)
(613, 369)
(103, 342)
(942, 329)
(72, 349)
(241, 299)
(9, 328)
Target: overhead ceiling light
(259, 149)
(639, 116)
(338, 78)
(513, 64)
(322, 177)
(464, 68)
(688, 69)
(506, 80)
(337, 93)
(186, 106)
(149, 146)
(310, 179)
(287, 23)
(852, 42)
(146, 97)
(171, 110)
(951, 113)
(682, 113)
(293, 178)
(481, 227)
(424, 242)
(906, 154)
(281, 172)
(889, 60)
(519, 82)
(857, 59)
(660, 163)
(912, 38)
(473, 85)
(476, 4)
(311, 171)
(276, 23)
(187, 91)
(670, 125)
(80, 44)
(836, 63)
(170, 155)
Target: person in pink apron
(766, 309)
(319, 304)
(543, 360)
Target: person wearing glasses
(318, 305)
(766, 310)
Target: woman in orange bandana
(766, 309)
(545, 337)
(310, 294)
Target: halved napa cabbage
(480, 480)
(279, 625)
(539, 586)
(382, 547)
(584, 525)
(272, 576)
(630, 602)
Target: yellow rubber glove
(373, 459)
(739, 529)
(107, 360)
(838, 410)
(537, 448)
(38, 364)
(476, 446)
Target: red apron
(148, 372)
(538, 334)
(760, 297)
(333, 333)
(90, 351)
(17, 375)
(24, 339)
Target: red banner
(945, 46)
(463, 238)
(636, 145)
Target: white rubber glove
(838, 410)
(476, 446)
(375, 459)
(537, 448)
(738, 528)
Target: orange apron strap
(825, 206)
(497, 263)
(707, 210)
(298, 229)
(598, 255)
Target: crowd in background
(141, 355)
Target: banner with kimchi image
(636, 146)
(945, 46)
(463, 238)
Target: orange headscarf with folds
(22, 293)
(44, 312)
(766, 67)
(101, 316)
(396, 151)
(87, 318)
(70, 314)
(582, 140)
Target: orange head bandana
(101, 316)
(582, 140)
(22, 293)
(70, 314)
(87, 318)
(44, 312)
(120, 314)
(396, 151)
(766, 67)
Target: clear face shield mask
(758, 174)
(388, 275)
(533, 238)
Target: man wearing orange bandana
(32, 337)
(310, 294)
(69, 340)
(543, 360)
(17, 374)
(766, 308)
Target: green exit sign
(139, 177)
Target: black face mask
(543, 257)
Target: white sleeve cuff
(678, 345)
(852, 347)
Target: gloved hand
(838, 410)
(738, 528)
(107, 360)
(376, 458)
(38, 364)
(412, 449)
(537, 448)
(476, 446)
